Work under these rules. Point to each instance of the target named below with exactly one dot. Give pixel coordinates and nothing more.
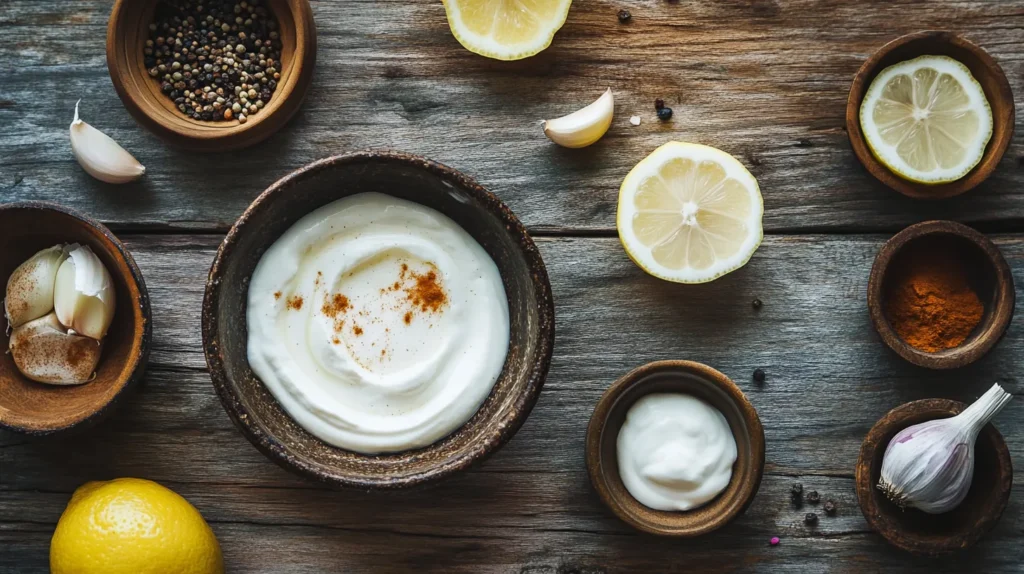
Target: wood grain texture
(530, 508)
(765, 80)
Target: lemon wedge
(927, 119)
(690, 213)
(506, 29)
(584, 126)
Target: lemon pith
(132, 526)
(689, 213)
(506, 29)
(927, 119)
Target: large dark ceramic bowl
(482, 215)
(38, 409)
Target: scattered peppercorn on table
(766, 81)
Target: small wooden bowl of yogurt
(674, 448)
(378, 320)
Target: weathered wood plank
(763, 79)
(530, 507)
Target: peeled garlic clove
(101, 156)
(83, 294)
(585, 126)
(44, 352)
(29, 292)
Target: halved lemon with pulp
(927, 119)
(506, 29)
(690, 213)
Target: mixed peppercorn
(216, 59)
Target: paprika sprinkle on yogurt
(931, 304)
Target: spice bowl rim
(139, 342)
(868, 496)
(999, 95)
(148, 108)
(491, 436)
(603, 471)
(1001, 306)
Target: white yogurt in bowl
(675, 451)
(379, 324)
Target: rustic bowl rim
(274, 449)
(597, 465)
(230, 136)
(983, 342)
(994, 151)
(145, 337)
(894, 421)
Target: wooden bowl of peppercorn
(211, 75)
(940, 294)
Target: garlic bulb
(83, 293)
(584, 126)
(44, 352)
(29, 292)
(101, 156)
(929, 466)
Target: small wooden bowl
(919, 532)
(531, 313)
(697, 380)
(983, 68)
(127, 32)
(989, 275)
(38, 409)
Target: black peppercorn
(757, 304)
(659, 104)
(759, 376)
(796, 492)
(624, 16)
(811, 519)
(665, 114)
(830, 507)
(813, 497)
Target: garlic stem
(977, 415)
(100, 156)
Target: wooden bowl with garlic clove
(40, 409)
(918, 532)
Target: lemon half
(690, 213)
(927, 119)
(506, 29)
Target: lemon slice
(506, 29)
(927, 119)
(690, 213)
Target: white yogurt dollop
(675, 451)
(379, 324)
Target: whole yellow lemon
(132, 526)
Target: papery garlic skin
(44, 352)
(100, 156)
(83, 294)
(930, 466)
(29, 292)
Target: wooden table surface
(765, 80)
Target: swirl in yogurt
(378, 324)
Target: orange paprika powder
(931, 304)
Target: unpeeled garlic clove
(101, 156)
(585, 126)
(83, 294)
(44, 352)
(29, 292)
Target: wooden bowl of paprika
(940, 294)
